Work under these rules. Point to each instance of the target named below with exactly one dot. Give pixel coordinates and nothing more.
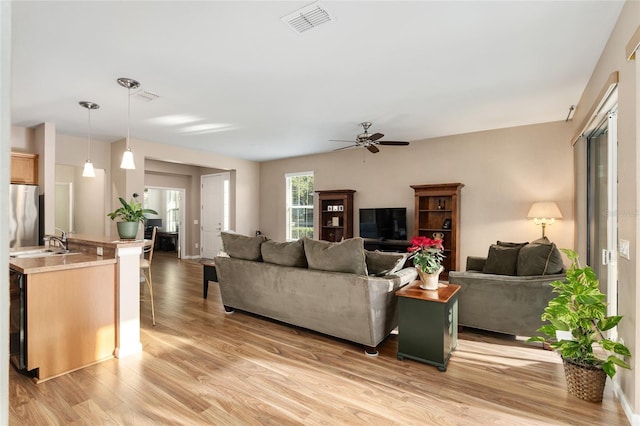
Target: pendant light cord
(129, 118)
(89, 137)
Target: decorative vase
(127, 230)
(584, 381)
(429, 281)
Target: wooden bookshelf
(437, 211)
(336, 215)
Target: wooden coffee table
(428, 323)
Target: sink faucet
(63, 234)
(61, 240)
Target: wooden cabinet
(335, 221)
(428, 323)
(24, 168)
(437, 211)
(70, 319)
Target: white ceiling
(234, 79)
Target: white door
(214, 214)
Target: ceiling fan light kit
(369, 141)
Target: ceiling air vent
(307, 18)
(146, 96)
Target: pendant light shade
(127, 160)
(88, 170)
(127, 156)
(88, 165)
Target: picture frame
(340, 208)
(330, 208)
(446, 224)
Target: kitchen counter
(56, 263)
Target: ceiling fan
(369, 141)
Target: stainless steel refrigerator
(24, 225)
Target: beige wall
(70, 150)
(614, 59)
(187, 177)
(503, 171)
(245, 175)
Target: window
(299, 205)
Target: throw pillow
(501, 260)
(540, 257)
(242, 247)
(508, 244)
(285, 254)
(380, 263)
(346, 256)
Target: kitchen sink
(44, 252)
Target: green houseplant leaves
(130, 212)
(581, 308)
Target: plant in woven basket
(581, 309)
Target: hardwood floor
(202, 366)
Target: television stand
(399, 246)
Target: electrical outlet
(197, 245)
(195, 221)
(99, 251)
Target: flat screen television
(384, 223)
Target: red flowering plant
(427, 254)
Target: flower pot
(584, 381)
(127, 230)
(429, 281)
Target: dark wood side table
(428, 323)
(209, 274)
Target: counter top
(106, 241)
(37, 265)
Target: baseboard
(634, 418)
(190, 257)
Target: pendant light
(127, 156)
(88, 165)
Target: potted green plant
(129, 215)
(581, 310)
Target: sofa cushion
(540, 257)
(501, 260)
(242, 247)
(346, 256)
(285, 254)
(382, 263)
(508, 244)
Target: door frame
(182, 226)
(226, 203)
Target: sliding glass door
(602, 209)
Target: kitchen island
(76, 309)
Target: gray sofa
(307, 283)
(508, 303)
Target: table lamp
(544, 213)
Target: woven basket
(585, 382)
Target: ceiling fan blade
(397, 143)
(373, 149)
(345, 147)
(374, 137)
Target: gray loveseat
(325, 287)
(512, 300)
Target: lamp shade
(88, 170)
(127, 160)
(544, 209)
